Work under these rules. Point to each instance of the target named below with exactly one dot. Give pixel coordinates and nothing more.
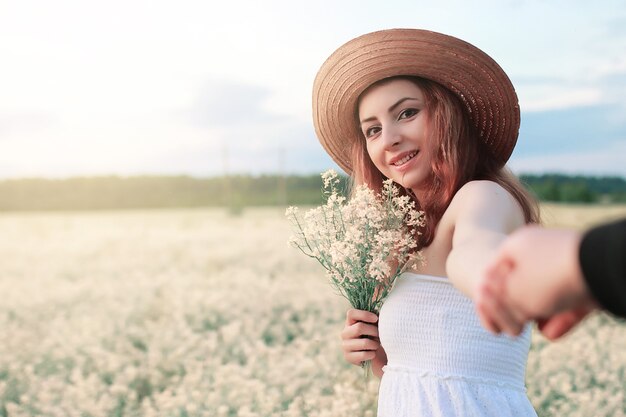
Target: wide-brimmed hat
(474, 77)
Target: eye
(371, 131)
(408, 113)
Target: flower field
(207, 313)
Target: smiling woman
(384, 128)
(440, 118)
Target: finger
(486, 322)
(357, 345)
(562, 323)
(510, 323)
(495, 270)
(555, 327)
(559, 324)
(500, 266)
(359, 329)
(356, 358)
(485, 314)
(487, 311)
(354, 315)
(498, 276)
(511, 317)
(497, 317)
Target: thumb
(561, 323)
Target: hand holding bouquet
(364, 243)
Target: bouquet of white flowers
(364, 243)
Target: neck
(418, 193)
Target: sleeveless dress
(441, 362)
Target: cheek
(374, 154)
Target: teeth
(405, 159)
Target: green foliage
(576, 189)
(104, 193)
(237, 192)
(142, 386)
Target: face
(394, 121)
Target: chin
(411, 181)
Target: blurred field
(206, 313)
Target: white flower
(291, 211)
(329, 177)
(358, 240)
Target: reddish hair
(458, 157)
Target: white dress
(441, 361)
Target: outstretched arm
(484, 213)
(533, 275)
(555, 277)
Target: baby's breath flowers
(364, 243)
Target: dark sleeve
(603, 263)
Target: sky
(204, 88)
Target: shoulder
(482, 193)
(481, 188)
(486, 201)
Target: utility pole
(282, 180)
(227, 185)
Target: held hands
(535, 275)
(360, 336)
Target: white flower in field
(222, 411)
(13, 409)
(329, 177)
(291, 211)
(70, 314)
(230, 332)
(118, 389)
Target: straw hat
(475, 78)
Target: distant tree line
(576, 189)
(102, 193)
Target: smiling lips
(403, 160)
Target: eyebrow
(390, 109)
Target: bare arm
(484, 213)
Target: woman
(440, 118)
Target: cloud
(294, 149)
(289, 147)
(25, 121)
(614, 88)
(604, 83)
(616, 27)
(563, 98)
(538, 94)
(247, 136)
(228, 104)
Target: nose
(391, 137)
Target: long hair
(457, 158)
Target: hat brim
(474, 77)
